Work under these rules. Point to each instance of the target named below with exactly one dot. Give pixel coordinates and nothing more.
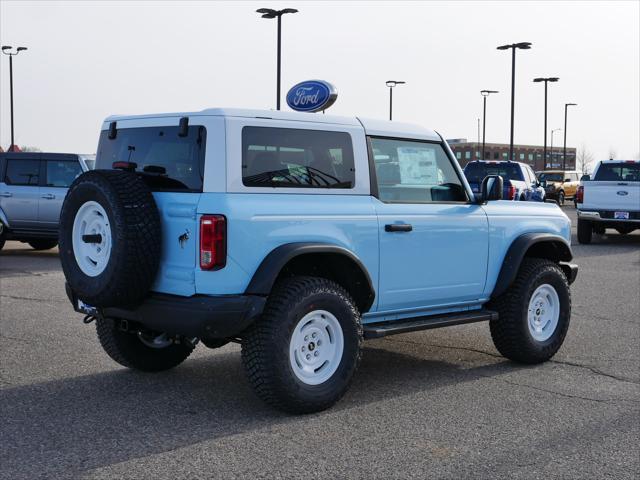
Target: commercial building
(532, 154)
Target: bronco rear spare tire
(109, 238)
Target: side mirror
(585, 178)
(542, 183)
(491, 188)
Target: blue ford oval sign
(311, 96)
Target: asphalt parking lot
(434, 404)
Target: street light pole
(391, 84)
(564, 149)
(485, 94)
(7, 50)
(552, 132)
(271, 13)
(546, 81)
(513, 47)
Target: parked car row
(32, 189)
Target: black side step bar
(382, 329)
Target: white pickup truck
(609, 198)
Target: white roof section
(383, 128)
(386, 128)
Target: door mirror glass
(491, 188)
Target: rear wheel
(533, 314)
(301, 355)
(141, 350)
(42, 244)
(585, 231)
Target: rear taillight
(580, 194)
(511, 192)
(213, 242)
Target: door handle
(6, 194)
(48, 196)
(398, 227)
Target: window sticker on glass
(418, 166)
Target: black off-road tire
(510, 332)
(134, 221)
(42, 243)
(585, 231)
(265, 346)
(128, 350)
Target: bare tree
(584, 159)
(26, 148)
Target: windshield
(476, 171)
(550, 177)
(618, 172)
(165, 160)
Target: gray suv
(32, 188)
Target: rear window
(22, 172)
(166, 161)
(618, 172)
(551, 177)
(295, 158)
(475, 172)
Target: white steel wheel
(543, 313)
(316, 347)
(91, 238)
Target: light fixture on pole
(391, 84)
(546, 81)
(552, 132)
(564, 149)
(513, 47)
(8, 50)
(485, 94)
(271, 13)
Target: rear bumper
(607, 216)
(202, 316)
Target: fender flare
(265, 276)
(558, 250)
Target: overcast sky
(88, 60)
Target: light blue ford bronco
(299, 236)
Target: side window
(22, 172)
(62, 174)
(532, 176)
(415, 172)
(296, 158)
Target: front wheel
(141, 350)
(3, 235)
(533, 314)
(301, 355)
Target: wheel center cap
(311, 346)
